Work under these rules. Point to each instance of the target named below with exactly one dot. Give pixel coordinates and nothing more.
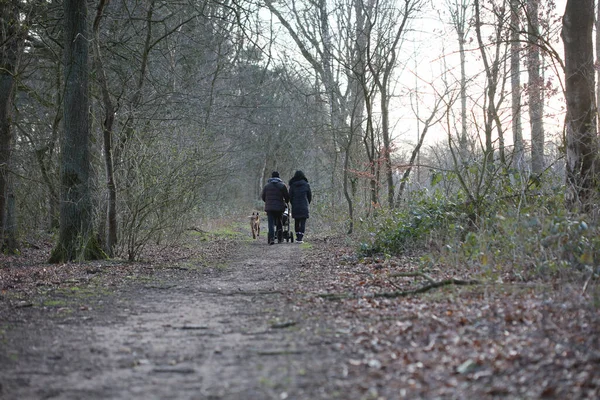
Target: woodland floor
(232, 318)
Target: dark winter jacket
(300, 195)
(275, 195)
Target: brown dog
(255, 225)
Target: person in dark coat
(275, 195)
(300, 197)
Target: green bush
(416, 225)
(519, 237)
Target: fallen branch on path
(413, 274)
(240, 292)
(404, 293)
(278, 352)
(174, 370)
(283, 325)
(433, 285)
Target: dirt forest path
(227, 331)
(228, 318)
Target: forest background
(458, 128)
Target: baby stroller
(285, 219)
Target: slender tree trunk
(359, 95)
(382, 76)
(107, 134)
(535, 84)
(387, 146)
(458, 13)
(581, 134)
(136, 99)
(413, 157)
(347, 195)
(491, 82)
(11, 44)
(364, 12)
(515, 81)
(463, 93)
(75, 240)
(371, 154)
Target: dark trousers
(275, 221)
(299, 226)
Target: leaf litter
(489, 340)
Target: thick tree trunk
(598, 59)
(11, 40)
(536, 103)
(75, 235)
(581, 135)
(6, 146)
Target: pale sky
(430, 55)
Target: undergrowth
(519, 238)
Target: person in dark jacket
(275, 195)
(300, 197)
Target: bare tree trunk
(364, 27)
(107, 134)
(598, 57)
(321, 60)
(491, 86)
(11, 41)
(515, 81)
(581, 135)
(347, 194)
(382, 75)
(359, 95)
(415, 152)
(387, 146)
(458, 13)
(6, 146)
(129, 125)
(75, 240)
(369, 142)
(463, 87)
(535, 84)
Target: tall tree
(459, 14)
(366, 91)
(598, 56)
(492, 68)
(515, 82)
(11, 45)
(388, 27)
(581, 135)
(107, 133)
(310, 29)
(535, 84)
(75, 239)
